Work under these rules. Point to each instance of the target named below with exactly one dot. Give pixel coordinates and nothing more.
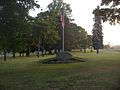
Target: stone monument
(63, 56)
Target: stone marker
(63, 56)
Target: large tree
(13, 18)
(97, 37)
(55, 10)
(83, 39)
(44, 32)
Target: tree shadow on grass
(118, 87)
(55, 61)
(2, 87)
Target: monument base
(63, 56)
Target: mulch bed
(55, 61)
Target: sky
(82, 14)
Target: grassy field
(99, 72)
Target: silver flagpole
(63, 30)
(63, 41)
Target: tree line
(110, 14)
(22, 33)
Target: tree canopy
(97, 37)
(110, 13)
(13, 20)
(19, 32)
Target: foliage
(22, 33)
(55, 10)
(113, 3)
(97, 37)
(13, 19)
(89, 41)
(83, 38)
(110, 13)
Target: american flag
(62, 18)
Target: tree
(70, 35)
(97, 37)
(44, 31)
(55, 10)
(13, 16)
(110, 13)
(89, 40)
(83, 39)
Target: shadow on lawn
(2, 87)
(55, 61)
(118, 88)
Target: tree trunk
(97, 51)
(91, 49)
(5, 55)
(84, 50)
(13, 54)
(42, 52)
(42, 47)
(28, 51)
(55, 52)
(50, 52)
(19, 54)
(38, 54)
(27, 54)
(58, 50)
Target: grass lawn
(100, 72)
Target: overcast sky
(82, 13)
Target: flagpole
(63, 40)
(63, 43)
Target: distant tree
(83, 39)
(89, 40)
(107, 47)
(44, 31)
(70, 35)
(97, 37)
(111, 13)
(48, 26)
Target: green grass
(100, 72)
